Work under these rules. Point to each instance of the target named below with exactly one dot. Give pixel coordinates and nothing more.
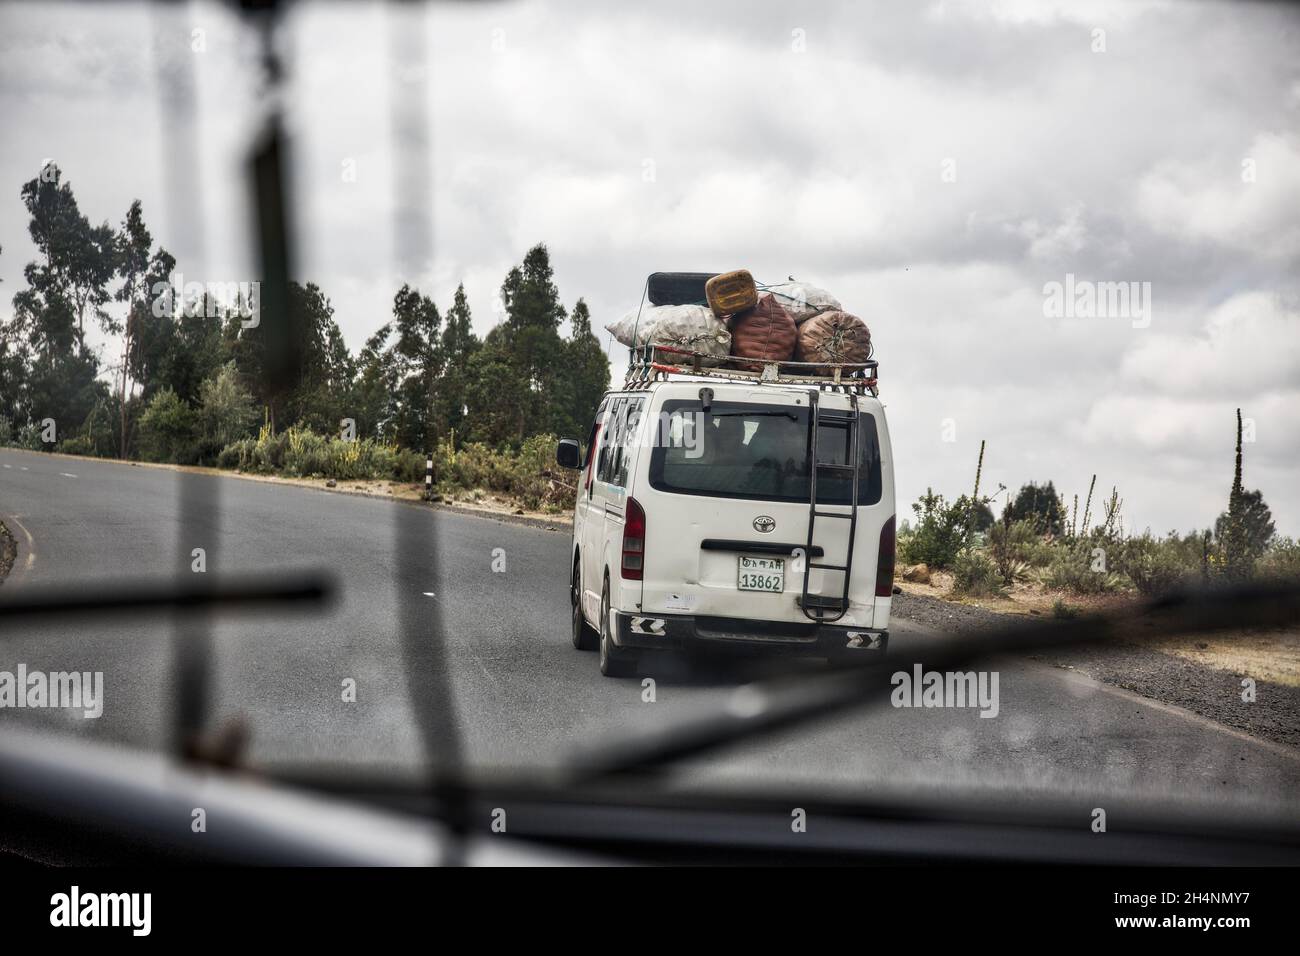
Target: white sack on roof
(803, 300)
(693, 327)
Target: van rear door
(726, 498)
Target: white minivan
(719, 512)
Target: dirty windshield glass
(299, 299)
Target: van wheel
(585, 637)
(614, 661)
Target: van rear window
(758, 451)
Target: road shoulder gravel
(1209, 692)
(8, 551)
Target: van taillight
(633, 540)
(885, 560)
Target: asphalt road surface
(523, 697)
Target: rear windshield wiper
(790, 415)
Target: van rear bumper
(688, 631)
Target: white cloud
(1249, 345)
(1208, 198)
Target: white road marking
(428, 594)
(8, 466)
(66, 475)
(23, 467)
(31, 544)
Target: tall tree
(459, 345)
(138, 269)
(493, 392)
(79, 259)
(374, 395)
(586, 376)
(1246, 528)
(320, 396)
(418, 365)
(153, 329)
(1038, 503)
(44, 349)
(526, 352)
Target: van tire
(585, 637)
(614, 661)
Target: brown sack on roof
(764, 332)
(834, 337)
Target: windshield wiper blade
(763, 707)
(230, 592)
(775, 414)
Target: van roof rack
(652, 363)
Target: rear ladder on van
(818, 607)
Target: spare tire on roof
(677, 288)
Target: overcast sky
(934, 165)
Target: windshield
(311, 292)
(761, 451)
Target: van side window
(589, 463)
(609, 441)
(627, 438)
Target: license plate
(761, 574)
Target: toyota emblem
(764, 524)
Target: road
(522, 695)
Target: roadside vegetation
(183, 381)
(182, 376)
(1042, 543)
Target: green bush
(169, 430)
(237, 455)
(1064, 611)
(77, 445)
(100, 434)
(976, 575)
(409, 465)
(940, 531)
(226, 410)
(1012, 545)
(1076, 566)
(526, 475)
(305, 454)
(1156, 566)
(29, 437)
(1281, 560)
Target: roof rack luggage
(650, 363)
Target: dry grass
(1021, 598)
(1264, 655)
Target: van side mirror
(568, 454)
